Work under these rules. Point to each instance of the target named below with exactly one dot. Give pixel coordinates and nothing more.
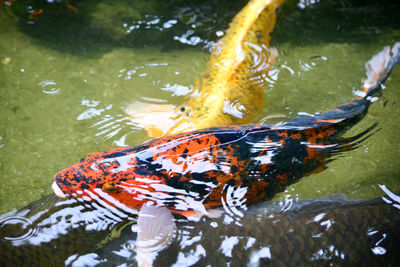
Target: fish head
(101, 170)
(76, 179)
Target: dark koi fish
(63, 232)
(316, 232)
(194, 172)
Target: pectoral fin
(156, 119)
(155, 229)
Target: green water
(66, 77)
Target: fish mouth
(57, 190)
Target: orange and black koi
(199, 170)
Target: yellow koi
(231, 88)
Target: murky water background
(67, 74)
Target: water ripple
(108, 125)
(49, 87)
(17, 229)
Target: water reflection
(140, 71)
(107, 123)
(20, 223)
(50, 231)
(188, 38)
(299, 69)
(149, 22)
(391, 198)
(177, 89)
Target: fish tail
(378, 69)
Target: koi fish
(197, 172)
(311, 232)
(194, 172)
(231, 89)
(57, 233)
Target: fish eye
(82, 160)
(182, 109)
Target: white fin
(155, 230)
(156, 119)
(375, 66)
(380, 65)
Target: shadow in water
(337, 22)
(88, 28)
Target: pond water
(67, 74)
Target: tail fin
(378, 69)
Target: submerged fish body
(193, 172)
(56, 232)
(317, 232)
(231, 88)
(79, 233)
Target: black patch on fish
(228, 137)
(154, 167)
(84, 186)
(64, 182)
(290, 156)
(234, 169)
(120, 153)
(275, 136)
(184, 154)
(175, 183)
(204, 177)
(189, 186)
(143, 171)
(115, 155)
